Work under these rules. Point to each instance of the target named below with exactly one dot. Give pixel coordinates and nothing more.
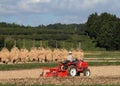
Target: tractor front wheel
(86, 72)
(72, 71)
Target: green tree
(103, 29)
(1, 42)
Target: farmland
(105, 71)
(20, 57)
(110, 76)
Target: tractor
(67, 68)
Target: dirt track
(99, 73)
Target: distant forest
(102, 30)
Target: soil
(99, 75)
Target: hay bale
(48, 54)
(4, 55)
(41, 54)
(63, 54)
(78, 54)
(24, 55)
(14, 54)
(56, 54)
(33, 54)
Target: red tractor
(68, 68)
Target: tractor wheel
(72, 71)
(86, 72)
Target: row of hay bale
(39, 54)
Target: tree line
(9, 33)
(52, 31)
(103, 30)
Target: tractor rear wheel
(72, 70)
(86, 72)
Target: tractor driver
(70, 57)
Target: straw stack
(4, 54)
(48, 54)
(78, 54)
(56, 54)
(41, 54)
(14, 54)
(63, 54)
(33, 54)
(24, 55)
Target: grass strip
(25, 66)
(40, 65)
(103, 63)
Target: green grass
(40, 65)
(25, 66)
(86, 43)
(99, 85)
(102, 54)
(103, 63)
(8, 84)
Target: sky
(38, 12)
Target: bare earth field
(99, 75)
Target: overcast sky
(37, 12)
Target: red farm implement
(67, 68)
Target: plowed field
(99, 75)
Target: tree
(103, 29)
(1, 42)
